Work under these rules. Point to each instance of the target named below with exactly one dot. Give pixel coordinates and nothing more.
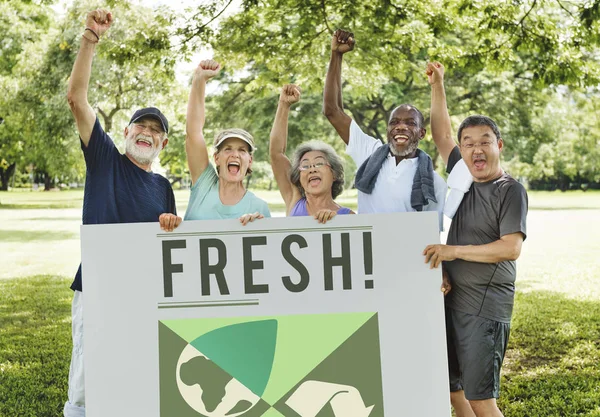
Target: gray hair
(334, 160)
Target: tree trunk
(6, 175)
(48, 182)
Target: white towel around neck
(459, 181)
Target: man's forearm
(440, 118)
(332, 94)
(494, 252)
(80, 75)
(441, 127)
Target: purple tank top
(300, 209)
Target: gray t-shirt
(488, 211)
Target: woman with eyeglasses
(315, 176)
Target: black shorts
(476, 348)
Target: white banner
(282, 317)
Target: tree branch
(199, 28)
(565, 9)
(325, 17)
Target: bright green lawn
(552, 366)
(543, 200)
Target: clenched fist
(290, 94)
(207, 69)
(342, 41)
(99, 21)
(435, 73)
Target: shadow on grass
(552, 363)
(35, 235)
(35, 345)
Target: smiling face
(316, 176)
(404, 130)
(233, 159)
(480, 149)
(144, 140)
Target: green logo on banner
(325, 365)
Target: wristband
(94, 33)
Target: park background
(534, 66)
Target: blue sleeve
(200, 191)
(100, 148)
(171, 206)
(265, 208)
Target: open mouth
(479, 163)
(314, 181)
(144, 143)
(233, 168)
(400, 139)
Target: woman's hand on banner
(323, 216)
(250, 217)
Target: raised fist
(290, 94)
(99, 21)
(435, 73)
(207, 69)
(342, 41)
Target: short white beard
(142, 156)
(412, 146)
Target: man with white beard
(118, 188)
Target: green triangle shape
(243, 350)
(172, 403)
(169, 348)
(271, 412)
(303, 341)
(355, 363)
(191, 329)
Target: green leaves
(503, 59)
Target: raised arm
(333, 108)
(280, 163)
(96, 24)
(441, 128)
(195, 145)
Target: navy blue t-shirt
(117, 190)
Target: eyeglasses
(153, 130)
(317, 165)
(482, 145)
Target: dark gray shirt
(488, 211)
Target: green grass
(41, 200)
(552, 366)
(35, 346)
(538, 200)
(27, 236)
